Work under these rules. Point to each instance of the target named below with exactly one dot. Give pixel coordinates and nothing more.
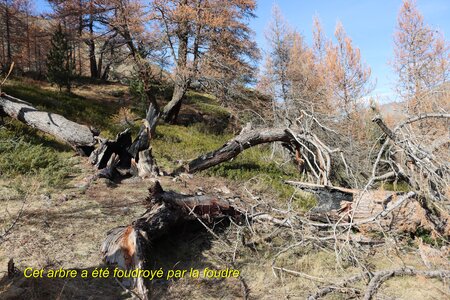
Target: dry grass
(64, 227)
(66, 231)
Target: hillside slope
(52, 217)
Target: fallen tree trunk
(80, 137)
(235, 146)
(328, 197)
(124, 246)
(309, 151)
(131, 157)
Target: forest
(158, 149)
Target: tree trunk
(235, 146)
(171, 110)
(80, 137)
(131, 157)
(125, 245)
(79, 42)
(8, 36)
(106, 72)
(91, 44)
(182, 76)
(92, 59)
(100, 65)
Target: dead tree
(235, 146)
(317, 155)
(80, 137)
(422, 167)
(133, 157)
(124, 246)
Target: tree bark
(8, 35)
(92, 59)
(91, 44)
(235, 146)
(172, 109)
(132, 157)
(125, 245)
(328, 197)
(80, 137)
(182, 76)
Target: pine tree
(59, 64)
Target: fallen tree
(339, 209)
(80, 137)
(124, 246)
(235, 146)
(133, 157)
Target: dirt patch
(65, 227)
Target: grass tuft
(24, 152)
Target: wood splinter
(124, 245)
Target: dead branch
(235, 146)
(425, 171)
(14, 222)
(303, 275)
(381, 276)
(376, 279)
(421, 117)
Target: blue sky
(370, 24)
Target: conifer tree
(59, 64)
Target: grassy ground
(54, 221)
(204, 127)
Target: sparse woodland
(158, 135)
